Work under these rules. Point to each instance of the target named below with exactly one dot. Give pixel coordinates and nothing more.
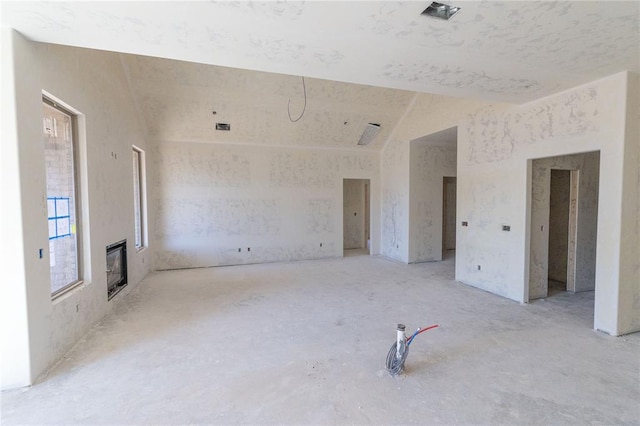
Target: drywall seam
(400, 121)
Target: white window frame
(75, 142)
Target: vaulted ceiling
(177, 100)
(495, 51)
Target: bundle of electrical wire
(396, 357)
(395, 363)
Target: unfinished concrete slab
(305, 343)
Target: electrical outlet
(239, 250)
(465, 223)
(320, 244)
(479, 267)
(248, 248)
(40, 253)
(506, 228)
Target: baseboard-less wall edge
(620, 333)
(224, 265)
(394, 260)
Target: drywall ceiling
(499, 51)
(176, 100)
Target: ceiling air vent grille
(223, 126)
(369, 134)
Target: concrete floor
(305, 343)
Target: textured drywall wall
(214, 202)
(426, 115)
(495, 148)
(541, 232)
(559, 203)
(430, 163)
(94, 84)
(353, 214)
(14, 332)
(629, 293)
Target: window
(139, 198)
(62, 200)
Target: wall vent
(440, 11)
(369, 134)
(223, 126)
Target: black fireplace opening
(116, 268)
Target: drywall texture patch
(585, 261)
(286, 204)
(430, 163)
(201, 167)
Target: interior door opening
(562, 230)
(356, 217)
(448, 217)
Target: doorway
(448, 217)
(356, 217)
(563, 216)
(564, 222)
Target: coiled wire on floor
(396, 358)
(395, 364)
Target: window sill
(66, 291)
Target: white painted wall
(14, 332)
(494, 178)
(629, 291)
(213, 199)
(354, 214)
(93, 83)
(430, 162)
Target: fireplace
(116, 268)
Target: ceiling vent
(223, 126)
(369, 134)
(440, 10)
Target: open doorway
(356, 217)
(432, 171)
(563, 216)
(448, 217)
(563, 233)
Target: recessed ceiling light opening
(440, 10)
